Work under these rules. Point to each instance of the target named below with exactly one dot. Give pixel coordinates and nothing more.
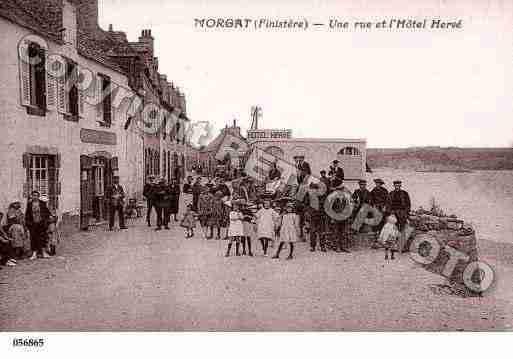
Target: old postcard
(255, 166)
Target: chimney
(147, 39)
(110, 28)
(87, 14)
(234, 123)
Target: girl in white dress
(389, 236)
(289, 231)
(236, 228)
(266, 219)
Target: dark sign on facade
(98, 137)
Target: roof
(216, 143)
(44, 17)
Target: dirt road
(141, 280)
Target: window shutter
(99, 102)
(61, 94)
(50, 89)
(24, 80)
(114, 164)
(81, 95)
(58, 188)
(25, 158)
(58, 160)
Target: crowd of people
(238, 214)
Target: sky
(395, 88)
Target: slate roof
(44, 17)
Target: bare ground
(142, 280)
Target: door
(86, 191)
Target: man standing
(341, 205)
(336, 171)
(37, 219)
(303, 168)
(148, 190)
(361, 196)
(174, 190)
(162, 204)
(399, 204)
(274, 174)
(196, 192)
(379, 198)
(116, 196)
(325, 180)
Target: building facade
(73, 109)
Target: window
(42, 176)
(99, 177)
(104, 108)
(38, 174)
(33, 79)
(350, 151)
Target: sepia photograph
(255, 166)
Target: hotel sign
(255, 135)
(98, 137)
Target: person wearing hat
(336, 170)
(361, 196)
(235, 228)
(37, 218)
(148, 191)
(274, 173)
(161, 199)
(116, 196)
(303, 168)
(399, 204)
(15, 227)
(379, 198)
(196, 192)
(205, 210)
(342, 205)
(289, 230)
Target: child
(217, 219)
(266, 219)
(289, 230)
(189, 221)
(236, 228)
(248, 230)
(389, 236)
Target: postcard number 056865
(28, 342)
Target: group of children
(267, 225)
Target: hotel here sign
(256, 135)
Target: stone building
(73, 108)
(228, 147)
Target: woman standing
(37, 218)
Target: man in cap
(379, 198)
(399, 204)
(149, 188)
(303, 168)
(361, 196)
(336, 170)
